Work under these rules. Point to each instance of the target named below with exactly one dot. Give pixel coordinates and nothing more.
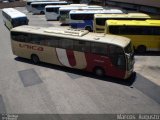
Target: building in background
(149, 6)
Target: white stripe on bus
(62, 56)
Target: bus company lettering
(31, 47)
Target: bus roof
(129, 15)
(48, 2)
(13, 13)
(81, 7)
(40, 0)
(69, 5)
(104, 11)
(134, 22)
(74, 34)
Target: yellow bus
(145, 34)
(100, 19)
(102, 54)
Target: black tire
(88, 28)
(99, 71)
(58, 18)
(35, 59)
(141, 49)
(42, 12)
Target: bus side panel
(146, 40)
(51, 16)
(45, 54)
(49, 55)
(81, 62)
(89, 23)
(72, 59)
(155, 46)
(105, 63)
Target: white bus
(64, 12)
(83, 19)
(39, 7)
(13, 18)
(109, 55)
(52, 11)
(28, 3)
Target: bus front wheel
(141, 49)
(35, 59)
(99, 71)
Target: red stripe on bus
(71, 57)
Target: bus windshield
(128, 49)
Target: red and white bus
(109, 55)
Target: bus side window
(117, 56)
(66, 43)
(156, 31)
(87, 17)
(82, 46)
(114, 29)
(55, 10)
(20, 37)
(53, 41)
(14, 36)
(35, 39)
(23, 37)
(99, 48)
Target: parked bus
(102, 54)
(39, 7)
(83, 19)
(100, 19)
(28, 3)
(13, 18)
(64, 12)
(52, 11)
(145, 34)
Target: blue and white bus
(64, 11)
(52, 11)
(83, 19)
(39, 7)
(13, 18)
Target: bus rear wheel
(42, 12)
(35, 59)
(88, 28)
(141, 49)
(99, 71)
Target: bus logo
(31, 47)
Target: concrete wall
(12, 4)
(153, 3)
